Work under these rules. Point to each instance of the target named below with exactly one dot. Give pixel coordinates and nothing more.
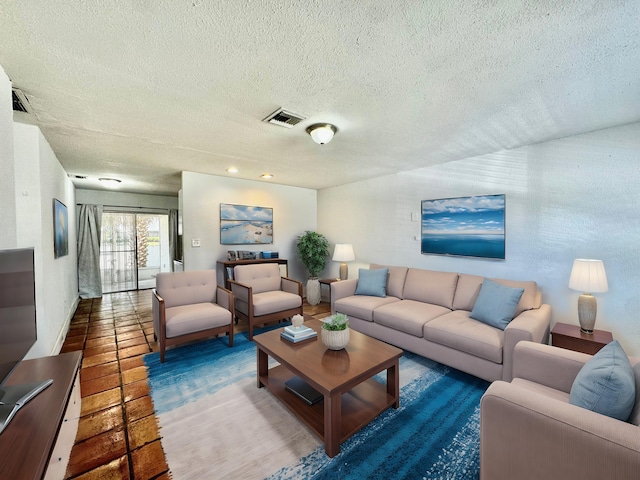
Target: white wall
(122, 199)
(577, 197)
(294, 211)
(39, 178)
(7, 179)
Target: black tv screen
(17, 308)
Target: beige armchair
(190, 306)
(529, 430)
(261, 295)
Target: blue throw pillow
(372, 282)
(496, 304)
(606, 384)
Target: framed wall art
(464, 226)
(60, 229)
(245, 225)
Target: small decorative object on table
(335, 331)
(298, 332)
(297, 320)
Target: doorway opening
(134, 248)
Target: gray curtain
(89, 223)
(173, 236)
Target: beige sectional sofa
(427, 312)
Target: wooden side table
(328, 282)
(570, 337)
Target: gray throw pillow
(496, 304)
(372, 282)
(606, 384)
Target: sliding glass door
(133, 249)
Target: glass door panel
(118, 252)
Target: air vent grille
(284, 118)
(20, 102)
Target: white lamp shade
(343, 253)
(588, 276)
(322, 133)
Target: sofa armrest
(527, 435)
(342, 289)
(530, 325)
(291, 286)
(550, 366)
(224, 298)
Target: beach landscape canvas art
(464, 226)
(245, 225)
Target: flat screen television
(18, 330)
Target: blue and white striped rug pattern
(216, 423)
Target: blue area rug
(208, 389)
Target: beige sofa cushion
(362, 306)
(469, 286)
(187, 288)
(185, 319)
(456, 330)
(407, 316)
(261, 277)
(274, 301)
(395, 279)
(429, 286)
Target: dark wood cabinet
(570, 337)
(28, 442)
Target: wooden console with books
(38, 440)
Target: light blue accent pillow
(606, 384)
(496, 304)
(372, 282)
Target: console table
(227, 267)
(36, 441)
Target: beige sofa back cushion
(430, 286)
(263, 277)
(186, 288)
(395, 280)
(469, 287)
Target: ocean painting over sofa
(244, 225)
(464, 226)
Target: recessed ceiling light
(266, 175)
(232, 170)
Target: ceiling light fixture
(232, 170)
(322, 133)
(113, 182)
(266, 176)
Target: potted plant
(313, 250)
(335, 331)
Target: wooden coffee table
(351, 398)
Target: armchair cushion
(606, 384)
(372, 282)
(275, 301)
(496, 304)
(185, 319)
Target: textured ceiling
(143, 89)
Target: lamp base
(344, 271)
(587, 310)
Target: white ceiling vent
(20, 101)
(284, 118)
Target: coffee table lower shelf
(359, 405)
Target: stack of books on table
(300, 334)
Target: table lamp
(343, 253)
(588, 276)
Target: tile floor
(118, 436)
